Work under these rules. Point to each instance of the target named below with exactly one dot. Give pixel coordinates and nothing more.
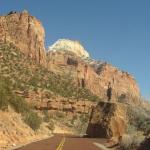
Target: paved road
(64, 142)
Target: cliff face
(95, 76)
(124, 86)
(25, 32)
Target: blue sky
(117, 31)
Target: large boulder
(107, 120)
(25, 32)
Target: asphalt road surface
(64, 142)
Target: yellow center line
(60, 146)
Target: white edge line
(102, 147)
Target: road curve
(64, 142)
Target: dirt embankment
(14, 132)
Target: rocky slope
(25, 32)
(13, 131)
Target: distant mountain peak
(69, 45)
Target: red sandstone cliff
(124, 86)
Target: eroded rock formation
(25, 32)
(58, 103)
(95, 76)
(107, 120)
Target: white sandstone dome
(69, 45)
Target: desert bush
(122, 98)
(138, 118)
(4, 98)
(46, 117)
(131, 129)
(84, 118)
(34, 81)
(145, 126)
(5, 92)
(51, 125)
(33, 120)
(19, 104)
(74, 118)
(59, 114)
(126, 142)
(80, 123)
(129, 142)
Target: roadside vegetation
(139, 119)
(77, 122)
(138, 128)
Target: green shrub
(34, 81)
(33, 120)
(145, 126)
(3, 104)
(59, 114)
(51, 125)
(46, 117)
(139, 118)
(19, 104)
(131, 129)
(80, 123)
(5, 92)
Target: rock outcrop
(107, 120)
(58, 103)
(25, 32)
